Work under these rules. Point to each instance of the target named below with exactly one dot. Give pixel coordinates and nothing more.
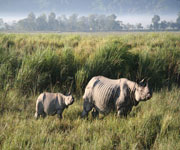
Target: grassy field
(33, 63)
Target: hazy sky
(132, 11)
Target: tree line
(91, 23)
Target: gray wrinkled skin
(52, 103)
(103, 95)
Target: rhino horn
(69, 93)
(143, 82)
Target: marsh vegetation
(33, 63)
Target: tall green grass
(113, 60)
(33, 63)
(151, 125)
(38, 62)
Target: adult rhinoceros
(52, 103)
(104, 94)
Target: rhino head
(69, 100)
(142, 92)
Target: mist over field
(120, 7)
(132, 19)
(127, 11)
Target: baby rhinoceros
(52, 103)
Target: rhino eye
(141, 89)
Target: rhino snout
(72, 101)
(149, 95)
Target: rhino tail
(39, 105)
(84, 96)
(37, 110)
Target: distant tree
(139, 26)
(7, 27)
(155, 21)
(23, 25)
(178, 21)
(32, 21)
(32, 16)
(27, 24)
(62, 23)
(163, 25)
(1, 23)
(41, 22)
(92, 21)
(173, 25)
(52, 22)
(72, 22)
(112, 24)
(101, 23)
(150, 27)
(83, 24)
(129, 26)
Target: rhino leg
(95, 113)
(124, 111)
(59, 114)
(39, 109)
(84, 114)
(121, 113)
(43, 114)
(36, 115)
(86, 108)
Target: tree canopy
(90, 23)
